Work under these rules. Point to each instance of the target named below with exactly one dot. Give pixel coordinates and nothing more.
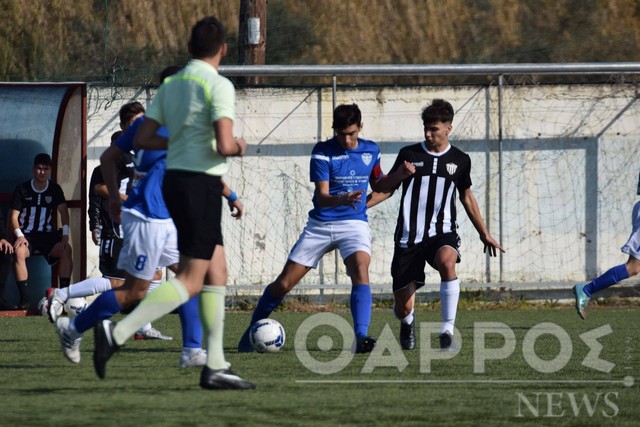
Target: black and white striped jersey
(37, 208)
(428, 203)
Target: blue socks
(104, 307)
(609, 278)
(189, 313)
(360, 303)
(266, 305)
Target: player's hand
(236, 208)
(115, 203)
(352, 198)
(491, 245)
(6, 247)
(21, 241)
(407, 169)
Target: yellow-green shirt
(187, 104)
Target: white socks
(449, 295)
(88, 287)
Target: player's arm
(14, 226)
(108, 161)
(326, 200)
(227, 144)
(235, 205)
(146, 137)
(389, 183)
(471, 207)
(376, 197)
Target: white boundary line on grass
(626, 381)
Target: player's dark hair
(169, 71)
(129, 110)
(439, 111)
(346, 115)
(116, 135)
(207, 37)
(42, 159)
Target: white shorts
(320, 237)
(148, 245)
(632, 247)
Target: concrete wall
(568, 161)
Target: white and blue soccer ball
(267, 336)
(74, 306)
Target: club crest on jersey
(48, 199)
(366, 158)
(451, 168)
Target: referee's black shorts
(194, 201)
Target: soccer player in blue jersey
(150, 242)
(342, 168)
(583, 293)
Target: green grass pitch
(550, 371)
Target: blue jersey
(145, 198)
(345, 170)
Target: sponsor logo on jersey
(366, 158)
(418, 164)
(451, 168)
(343, 157)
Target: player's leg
(403, 309)
(63, 255)
(20, 255)
(140, 257)
(212, 309)
(192, 352)
(147, 331)
(84, 288)
(615, 274)
(272, 296)
(312, 244)
(360, 301)
(445, 262)
(407, 272)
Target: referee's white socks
(449, 296)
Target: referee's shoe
(105, 346)
(223, 379)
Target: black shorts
(109, 252)
(194, 201)
(43, 243)
(408, 263)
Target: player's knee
(281, 286)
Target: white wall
(569, 174)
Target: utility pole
(252, 36)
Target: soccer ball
(74, 306)
(267, 336)
(43, 306)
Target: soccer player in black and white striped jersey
(426, 227)
(34, 208)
